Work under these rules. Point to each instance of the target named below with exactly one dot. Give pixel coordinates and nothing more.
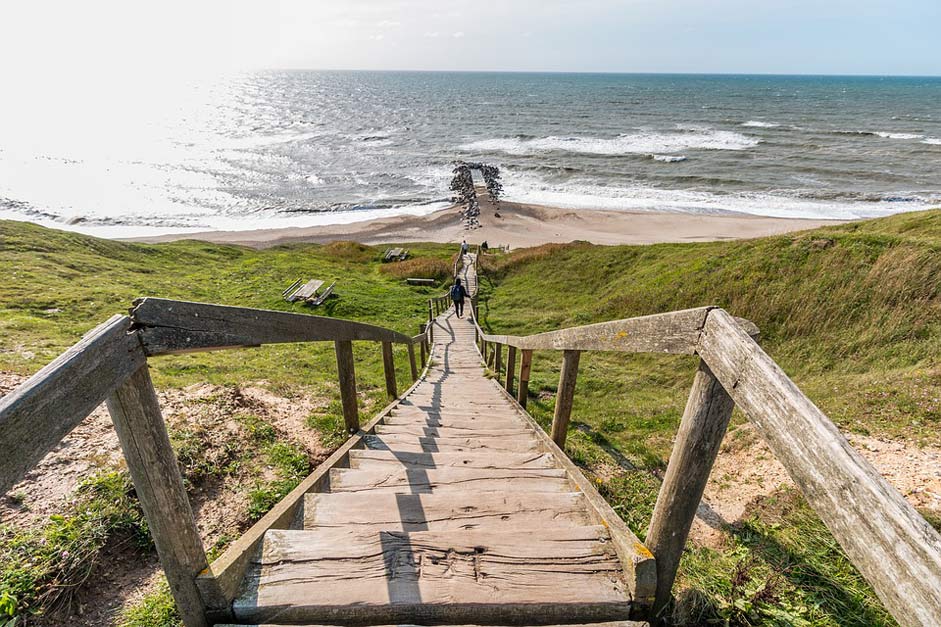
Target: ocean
(301, 148)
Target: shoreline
(519, 225)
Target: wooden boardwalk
(455, 512)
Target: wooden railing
(893, 547)
(110, 365)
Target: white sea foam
(586, 195)
(668, 158)
(887, 135)
(934, 141)
(641, 142)
(760, 124)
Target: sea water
(301, 148)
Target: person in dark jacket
(458, 293)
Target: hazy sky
(171, 36)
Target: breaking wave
(642, 142)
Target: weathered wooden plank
(139, 424)
(893, 547)
(620, 623)
(169, 326)
(346, 372)
(702, 428)
(510, 368)
(480, 577)
(525, 366)
(388, 368)
(35, 416)
(442, 512)
(565, 396)
(307, 290)
(421, 480)
(446, 445)
(369, 459)
(453, 431)
(413, 367)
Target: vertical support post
(388, 365)
(422, 345)
(411, 362)
(565, 396)
(431, 311)
(347, 376)
(702, 428)
(510, 368)
(498, 360)
(139, 424)
(526, 362)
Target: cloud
(388, 24)
(432, 35)
(458, 34)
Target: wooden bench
(308, 292)
(395, 254)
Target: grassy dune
(850, 312)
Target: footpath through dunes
(457, 510)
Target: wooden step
(530, 576)
(438, 420)
(367, 459)
(620, 623)
(427, 431)
(507, 511)
(418, 481)
(449, 445)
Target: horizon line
(605, 72)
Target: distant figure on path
(463, 248)
(457, 295)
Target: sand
(521, 225)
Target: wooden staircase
(455, 512)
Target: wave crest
(643, 142)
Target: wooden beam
(388, 367)
(510, 368)
(893, 547)
(169, 327)
(498, 360)
(564, 397)
(526, 361)
(135, 412)
(346, 372)
(35, 416)
(411, 361)
(697, 443)
(675, 332)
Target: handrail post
(526, 362)
(510, 368)
(498, 360)
(347, 377)
(565, 396)
(423, 329)
(702, 428)
(411, 362)
(388, 366)
(135, 412)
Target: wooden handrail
(35, 416)
(172, 327)
(890, 543)
(110, 364)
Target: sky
(85, 41)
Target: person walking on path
(458, 293)
(463, 248)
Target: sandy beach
(520, 225)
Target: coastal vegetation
(850, 312)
